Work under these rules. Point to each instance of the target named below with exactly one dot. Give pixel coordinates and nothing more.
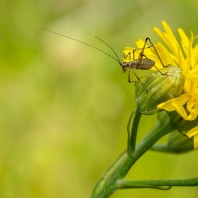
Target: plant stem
(111, 185)
(157, 183)
(101, 182)
(134, 130)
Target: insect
(142, 62)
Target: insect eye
(124, 68)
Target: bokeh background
(64, 106)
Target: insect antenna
(117, 60)
(107, 45)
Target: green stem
(129, 151)
(134, 130)
(101, 182)
(111, 185)
(157, 183)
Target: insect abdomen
(144, 64)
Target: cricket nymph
(142, 62)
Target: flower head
(184, 56)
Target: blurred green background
(64, 106)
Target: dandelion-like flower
(184, 56)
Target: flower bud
(158, 88)
(178, 143)
(163, 118)
(182, 125)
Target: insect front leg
(129, 78)
(127, 55)
(139, 81)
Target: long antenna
(105, 44)
(119, 62)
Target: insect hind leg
(152, 45)
(141, 54)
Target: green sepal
(158, 88)
(176, 143)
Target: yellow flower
(187, 104)
(185, 56)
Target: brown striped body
(141, 63)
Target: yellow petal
(169, 32)
(194, 71)
(192, 106)
(195, 141)
(177, 105)
(168, 104)
(182, 62)
(127, 51)
(172, 105)
(166, 40)
(187, 84)
(164, 55)
(192, 132)
(172, 42)
(195, 52)
(182, 112)
(184, 40)
(189, 60)
(140, 43)
(160, 34)
(148, 52)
